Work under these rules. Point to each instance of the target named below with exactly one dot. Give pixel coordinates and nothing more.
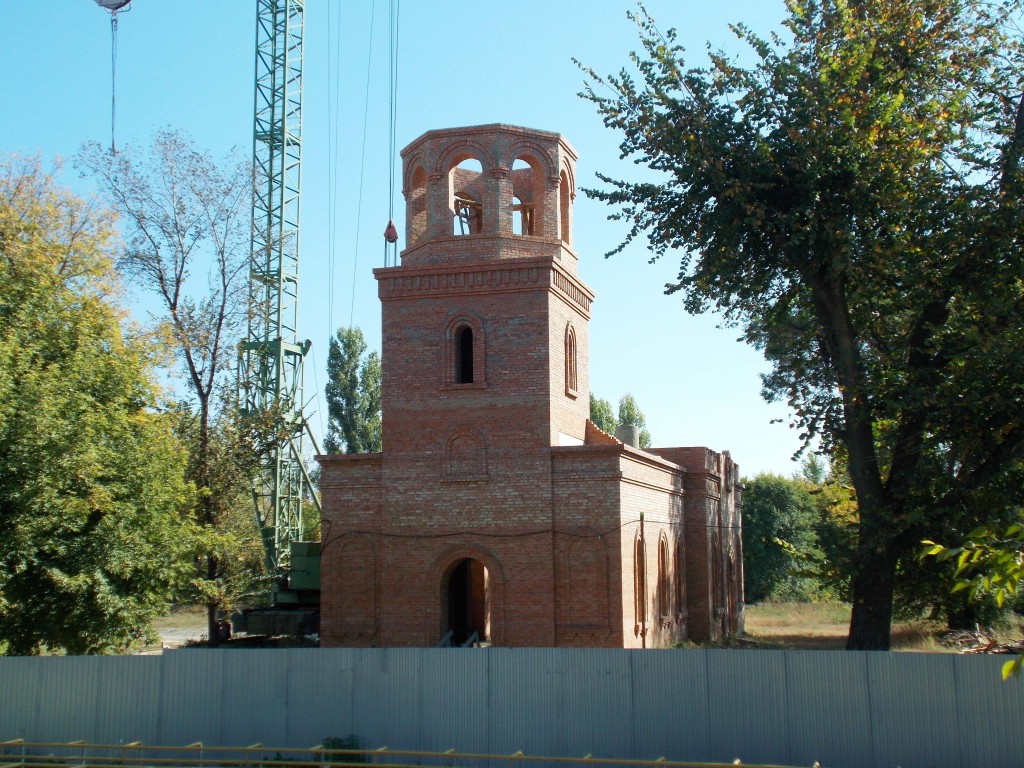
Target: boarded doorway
(468, 601)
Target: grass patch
(181, 616)
(819, 626)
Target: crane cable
(333, 109)
(362, 168)
(113, 78)
(391, 232)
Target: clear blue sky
(189, 65)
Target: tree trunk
(873, 579)
(212, 624)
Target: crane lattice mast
(271, 364)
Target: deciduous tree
(853, 199)
(605, 419)
(91, 478)
(187, 223)
(602, 415)
(781, 556)
(353, 395)
(630, 413)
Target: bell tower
(485, 321)
(496, 513)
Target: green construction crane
(271, 357)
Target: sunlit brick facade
(496, 507)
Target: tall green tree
(186, 220)
(353, 395)
(91, 478)
(602, 415)
(782, 559)
(853, 199)
(630, 413)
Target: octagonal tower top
(488, 192)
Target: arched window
(463, 363)
(664, 590)
(464, 355)
(570, 361)
(640, 582)
(679, 579)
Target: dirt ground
(181, 625)
(768, 625)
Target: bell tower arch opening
(525, 195)
(467, 197)
(466, 601)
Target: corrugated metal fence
(784, 707)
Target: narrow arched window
(640, 581)
(464, 355)
(664, 591)
(570, 361)
(679, 578)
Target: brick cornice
(513, 275)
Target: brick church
(497, 511)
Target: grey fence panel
(260, 675)
(126, 707)
(593, 692)
(67, 706)
(19, 694)
(827, 708)
(986, 710)
(398, 696)
(319, 695)
(844, 709)
(522, 714)
(192, 694)
(454, 695)
(747, 699)
(913, 710)
(671, 718)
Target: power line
(362, 168)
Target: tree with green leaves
(853, 199)
(353, 395)
(602, 415)
(604, 418)
(989, 565)
(186, 220)
(782, 559)
(91, 477)
(630, 413)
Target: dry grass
(180, 617)
(824, 626)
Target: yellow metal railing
(18, 753)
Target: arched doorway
(467, 601)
